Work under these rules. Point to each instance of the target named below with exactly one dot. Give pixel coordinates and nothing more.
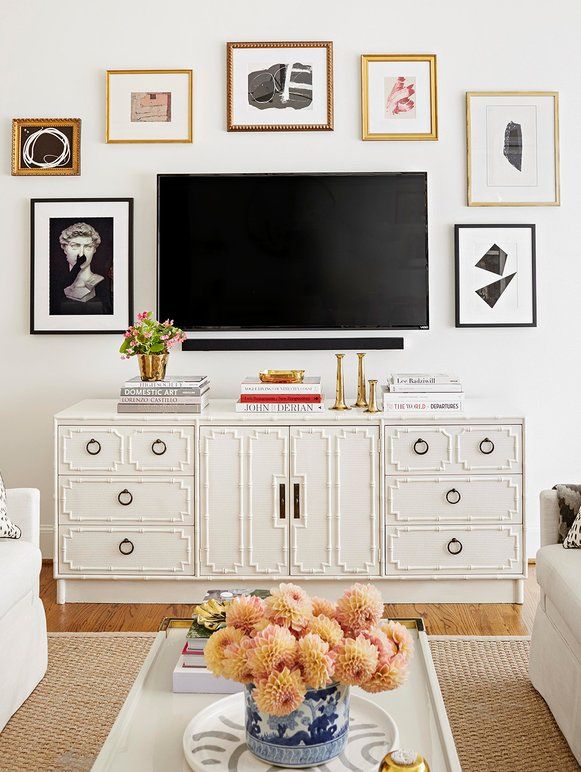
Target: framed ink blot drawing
(399, 96)
(149, 106)
(495, 276)
(513, 148)
(280, 86)
(46, 146)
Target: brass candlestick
(361, 396)
(372, 404)
(339, 391)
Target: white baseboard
(47, 541)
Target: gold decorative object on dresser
(372, 406)
(340, 403)
(281, 376)
(361, 395)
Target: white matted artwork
(399, 96)
(280, 86)
(81, 265)
(513, 148)
(149, 106)
(495, 276)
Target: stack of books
(259, 397)
(178, 394)
(423, 393)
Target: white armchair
(555, 659)
(23, 640)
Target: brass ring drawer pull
(419, 442)
(489, 444)
(453, 496)
(126, 547)
(455, 547)
(158, 444)
(127, 501)
(93, 444)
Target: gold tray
(281, 376)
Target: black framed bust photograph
(81, 265)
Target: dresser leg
(519, 592)
(61, 596)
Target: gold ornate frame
(231, 126)
(190, 78)
(555, 95)
(366, 60)
(19, 123)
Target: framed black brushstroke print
(280, 86)
(81, 265)
(495, 276)
(513, 148)
(46, 146)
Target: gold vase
(152, 366)
(339, 391)
(361, 396)
(372, 408)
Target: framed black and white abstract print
(495, 276)
(513, 148)
(81, 265)
(46, 146)
(280, 86)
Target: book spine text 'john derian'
(280, 407)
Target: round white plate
(215, 739)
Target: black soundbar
(291, 344)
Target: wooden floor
(440, 619)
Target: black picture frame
(120, 320)
(457, 258)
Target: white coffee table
(147, 735)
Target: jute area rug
(499, 722)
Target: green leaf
(124, 346)
(157, 348)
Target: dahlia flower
(400, 638)
(314, 661)
(356, 661)
(244, 612)
(214, 651)
(327, 629)
(386, 648)
(272, 649)
(324, 607)
(280, 693)
(235, 663)
(359, 608)
(289, 606)
(388, 676)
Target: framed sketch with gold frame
(512, 142)
(280, 86)
(399, 99)
(46, 146)
(149, 106)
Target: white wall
(53, 60)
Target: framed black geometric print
(81, 265)
(495, 276)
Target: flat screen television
(293, 251)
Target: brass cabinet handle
(282, 501)
(455, 546)
(297, 501)
(92, 444)
(161, 444)
(127, 502)
(126, 550)
(453, 496)
(489, 443)
(419, 441)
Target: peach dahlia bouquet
(291, 642)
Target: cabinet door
(244, 501)
(334, 500)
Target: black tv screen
(293, 251)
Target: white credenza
(157, 507)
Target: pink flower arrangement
(289, 643)
(148, 336)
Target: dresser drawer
(452, 499)
(453, 550)
(126, 550)
(453, 449)
(125, 449)
(149, 500)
